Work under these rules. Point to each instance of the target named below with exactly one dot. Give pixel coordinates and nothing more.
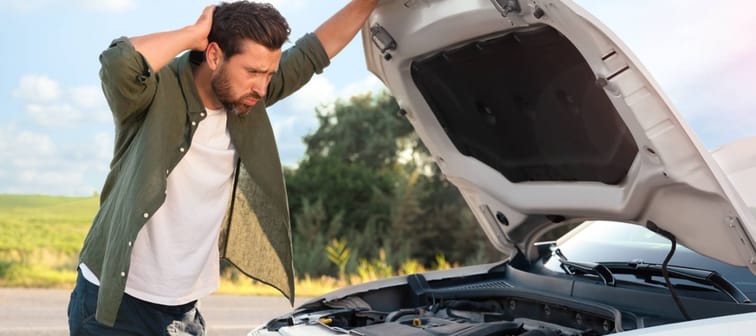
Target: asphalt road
(26, 312)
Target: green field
(41, 237)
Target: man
(195, 175)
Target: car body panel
(738, 161)
(714, 326)
(402, 280)
(670, 170)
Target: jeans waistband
(168, 309)
(179, 309)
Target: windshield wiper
(700, 276)
(607, 270)
(581, 267)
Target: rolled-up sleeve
(127, 80)
(298, 64)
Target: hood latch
(382, 40)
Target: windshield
(604, 241)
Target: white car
(542, 117)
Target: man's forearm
(338, 30)
(160, 48)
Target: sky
(56, 131)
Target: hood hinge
(507, 6)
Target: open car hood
(541, 116)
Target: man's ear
(213, 55)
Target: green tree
(311, 236)
(365, 130)
(366, 167)
(349, 164)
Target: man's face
(241, 81)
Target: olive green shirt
(155, 117)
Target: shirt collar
(186, 80)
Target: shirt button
(167, 172)
(146, 215)
(123, 274)
(202, 114)
(129, 244)
(194, 123)
(181, 149)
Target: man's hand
(201, 29)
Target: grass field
(40, 238)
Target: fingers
(201, 29)
(207, 15)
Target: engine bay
(512, 316)
(505, 301)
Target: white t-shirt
(175, 258)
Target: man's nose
(260, 87)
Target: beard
(221, 86)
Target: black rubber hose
(665, 271)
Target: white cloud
(37, 89)
(368, 84)
(88, 96)
(676, 39)
(320, 93)
(35, 163)
(99, 150)
(700, 56)
(720, 105)
(52, 179)
(295, 117)
(54, 115)
(317, 92)
(23, 150)
(91, 101)
(33, 144)
(48, 104)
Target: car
(544, 119)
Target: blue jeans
(135, 316)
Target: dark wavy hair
(240, 20)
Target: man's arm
(159, 49)
(313, 52)
(338, 30)
(129, 65)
